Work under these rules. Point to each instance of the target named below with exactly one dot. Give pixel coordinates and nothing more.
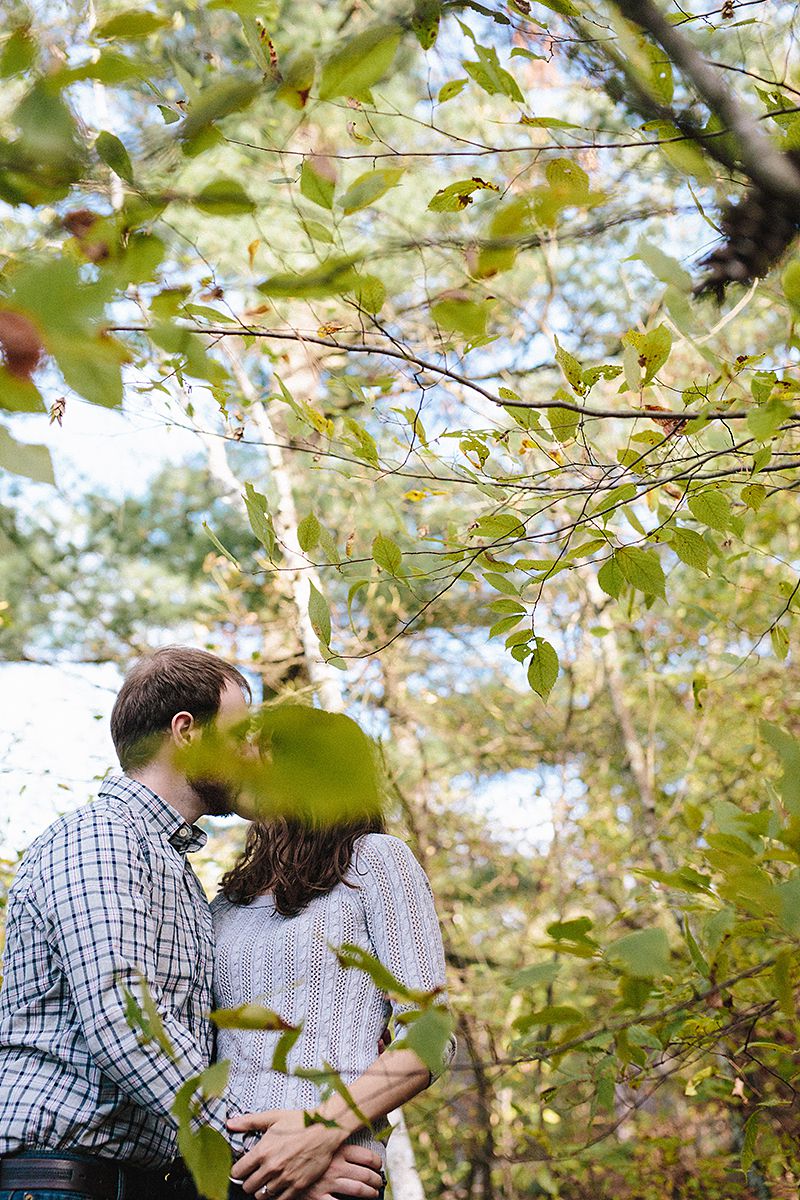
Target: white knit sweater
(288, 964)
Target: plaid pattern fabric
(104, 894)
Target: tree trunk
(296, 577)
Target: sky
(55, 747)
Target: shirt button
(184, 831)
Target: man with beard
(106, 898)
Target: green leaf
(220, 99)
(665, 268)
(553, 1014)
(132, 23)
(318, 181)
(356, 958)
(458, 196)
(711, 508)
(369, 187)
(225, 553)
(563, 421)
(188, 347)
(370, 293)
(208, 1157)
(425, 21)
(653, 349)
(782, 980)
(308, 532)
(319, 615)
(360, 62)
(788, 748)
(387, 554)
(249, 1016)
(610, 577)
(20, 458)
(18, 53)
(539, 973)
(765, 421)
(573, 372)
(574, 930)
(641, 569)
(224, 198)
(449, 90)
(114, 155)
(490, 76)
(543, 668)
(499, 525)
(91, 366)
(643, 954)
(467, 317)
(690, 548)
(790, 282)
(748, 1151)
(779, 638)
(428, 1036)
(754, 495)
(260, 519)
(331, 278)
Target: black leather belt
(96, 1177)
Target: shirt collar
(160, 816)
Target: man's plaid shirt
(106, 893)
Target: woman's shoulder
(374, 851)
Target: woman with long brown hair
(308, 883)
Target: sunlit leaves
(331, 278)
(462, 315)
(690, 548)
(21, 458)
(449, 91)
(224, 198)
(218, 100)
(114, 155)
(641, 569)
(318, 181)
(260, 519)
(387, 554)
(359, 63)
(652, 350)
(458, 196)
(308, 531)
(319, 615)
(132, 23)
(490, 76)
(425, 21)
(18, 52)
(712, 508)
(643, 954)
(543, 668)
(428, 1035)
(369, 187)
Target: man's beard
(217, 798)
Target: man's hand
(354, 1171)
(289, 1158)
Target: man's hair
(171, 680)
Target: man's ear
(182, 728)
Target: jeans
(21, 1194)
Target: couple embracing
(106, 898)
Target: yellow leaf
(251, 251)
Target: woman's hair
(295, 859)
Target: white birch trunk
(296, 579)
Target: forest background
(477, 323)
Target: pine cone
(758, 230)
